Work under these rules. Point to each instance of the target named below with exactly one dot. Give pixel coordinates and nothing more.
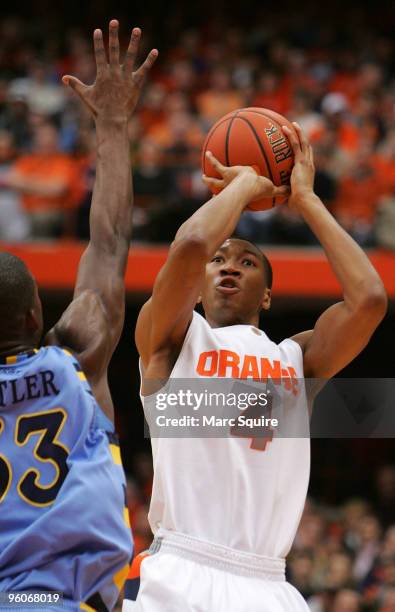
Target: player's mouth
(228, 286)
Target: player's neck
(228, 322)
(14, 347)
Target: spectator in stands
(368, 548)
(153, 191)
(50, 184)
(14, 117)
(301, 568)
(358, 196)
(347, 600)
(385, 495)
(272, 92)
(42, 90)
(220, 98)
(14, 226)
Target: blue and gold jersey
(63, 520)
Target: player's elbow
(374, 301)
(191, 246)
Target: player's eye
(217, 259)
(249, 263)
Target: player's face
(235, 286)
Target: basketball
(252, 137)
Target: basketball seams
(261, 147)
(227, 127)
(210, 134)
(227, 137)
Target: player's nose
(228, 269)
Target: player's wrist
(111, 122)
(304, 198)
(248, 179)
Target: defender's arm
(92, 324)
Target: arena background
(344, 554)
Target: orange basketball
(252, 137)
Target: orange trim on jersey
(135, 567)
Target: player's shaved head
(17, 291)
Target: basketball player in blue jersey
(63, 521)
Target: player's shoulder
(60, 357)
(294, 346)
(302, 339)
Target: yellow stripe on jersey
(116, 454)
(11, 359)
(81, 375)
(126, 516)
(120, 577)
(66, 352)
(85, 606)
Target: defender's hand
(260, 186)
(302, 177)
(116, 90)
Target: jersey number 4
(47, 427)
(262, 435)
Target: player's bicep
(164, 320)
(339, 335)
(83, 328)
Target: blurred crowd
(343, 557)
(340, 88)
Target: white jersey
(228, 490)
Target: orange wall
(297, 272)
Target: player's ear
(31, 321)
(267, 299)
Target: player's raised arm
(344, 329)
(164, 319)
(92, 324)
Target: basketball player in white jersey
(224, 511)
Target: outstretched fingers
(146, 66)
(75, 84)
(113, 44)
(100, 53)
(132, 50)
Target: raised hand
(116, 90)
(262, 187)
(302, 177)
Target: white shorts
(184, 574)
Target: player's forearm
(111, 211)
(216, 220)
(359, 280)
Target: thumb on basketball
(283, 191)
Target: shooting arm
(344, 329)
(165, 318)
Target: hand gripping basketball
(252, 137)
(262, 186)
